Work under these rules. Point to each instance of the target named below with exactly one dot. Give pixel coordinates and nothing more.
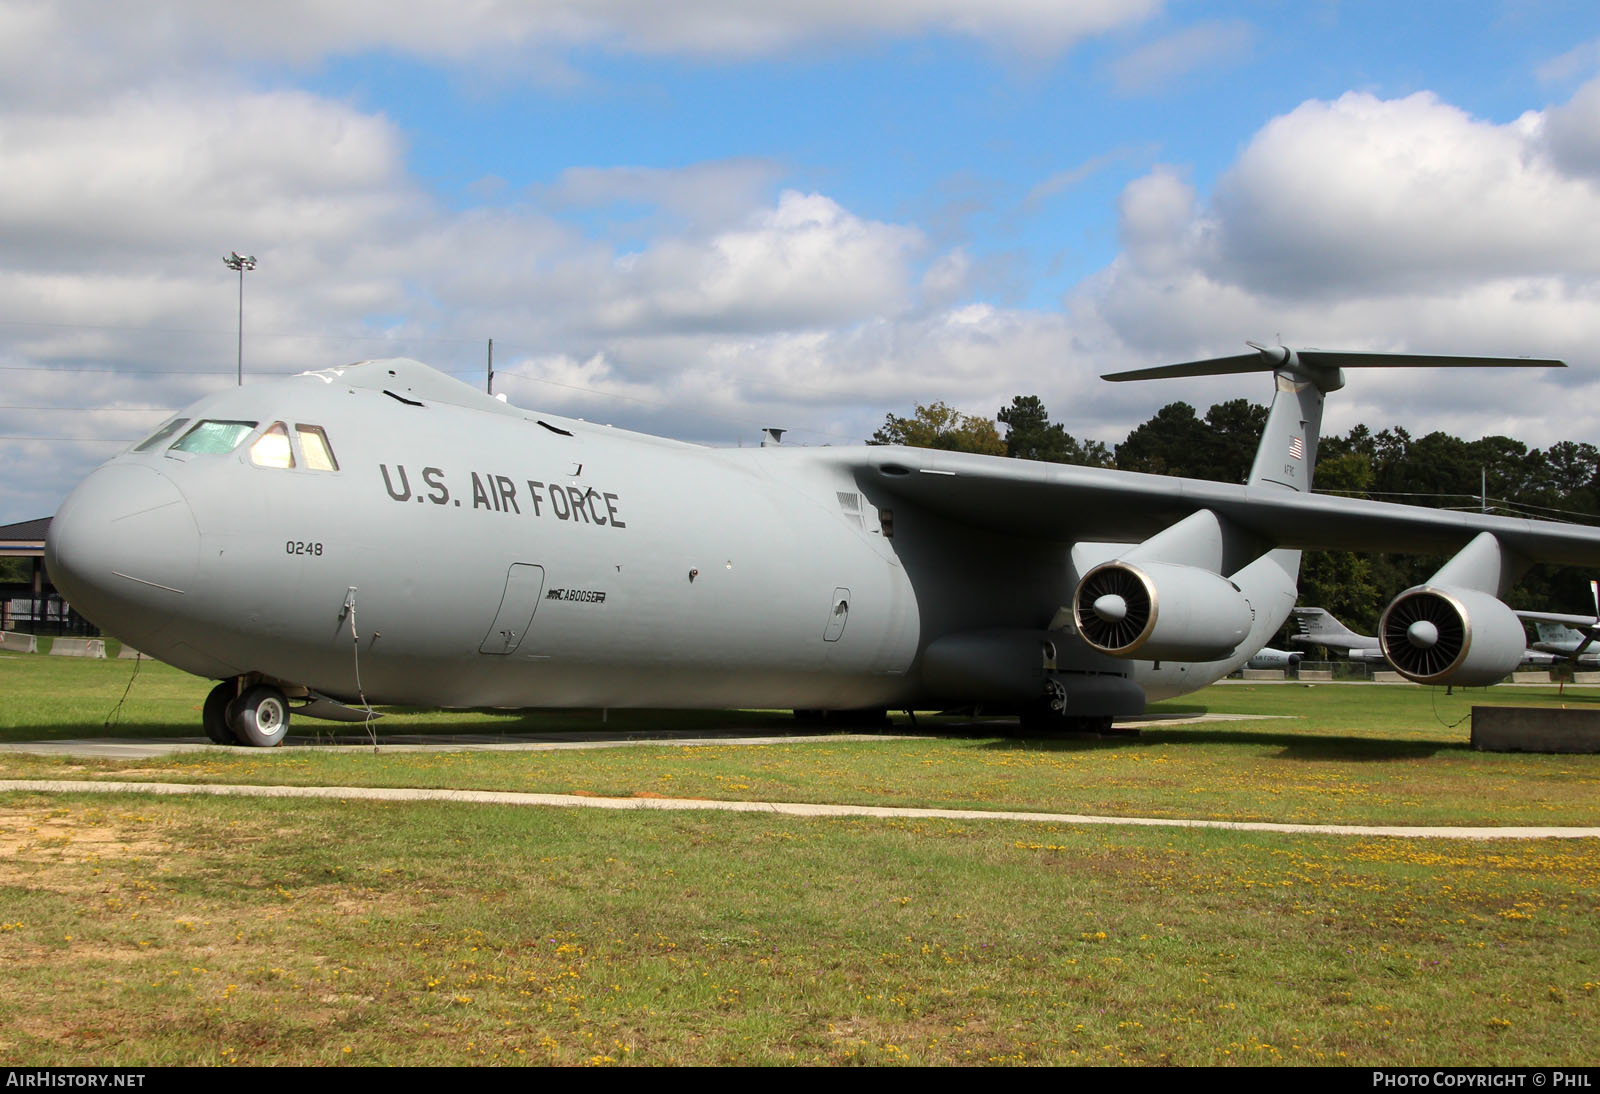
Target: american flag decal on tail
(1297, 448)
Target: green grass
(139, 930)
(175, 931)
(61, 698)
(1364, 754)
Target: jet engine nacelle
(1159, 611)
(1440, 635)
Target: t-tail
(1230, 595)
(1287, 455)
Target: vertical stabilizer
(1287, 455)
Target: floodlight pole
(237, 261)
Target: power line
(658, 403)
(81, 440)
(280, 373)
(1507, 505)
(98, 409)
(131, 371)
(749, 422)
(423, 338)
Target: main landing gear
(256, 715)
(1039, 720)
(1048, 716)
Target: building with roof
(28, 601)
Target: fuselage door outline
(524, 584)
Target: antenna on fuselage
(489, 383)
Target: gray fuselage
(493, 556)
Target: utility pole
(237, 261)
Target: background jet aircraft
(1268, 658)
(384, 533)
(1567, 643)
(1318, 627)
(1569, 635)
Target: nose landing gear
(214, 715)
(257, 715)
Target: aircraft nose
(123, 544)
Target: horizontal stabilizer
(1313, 361)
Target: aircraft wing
(1070, 503)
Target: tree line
(1496, 474)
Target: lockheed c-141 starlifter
(382, 533)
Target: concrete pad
(1531, 676)
(1262, 674)
(1315, 675)
(129, 653)
(1535, 729)
(1388, 676)
(1586, 678)
(18, 643)
(78, 647)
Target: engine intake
(1439, 635)
(1160, 611)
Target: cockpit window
(166, 431)
(271, 449)
(315, 448)
(214, 437)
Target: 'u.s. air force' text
(502, 494)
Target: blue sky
(704, 217)
(925, 128)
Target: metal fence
(49, 615)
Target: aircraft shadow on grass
(1293, 745)
(997, 734)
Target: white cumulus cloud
(1365, 223)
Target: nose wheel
(214, 715)
(260, 717)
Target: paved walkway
(793, 809)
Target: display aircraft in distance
(1571, 636)
(1269, 658)
(1318, 627)
(1566, 642)
(383, 533)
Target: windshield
(211, 437)
(167, 429)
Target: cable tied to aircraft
(355, 651)
(116, 711)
